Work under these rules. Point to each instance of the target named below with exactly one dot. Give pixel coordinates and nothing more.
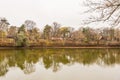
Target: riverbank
(80, 47)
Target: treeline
(56, 35)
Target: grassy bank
(11, 44)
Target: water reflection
(56, 58)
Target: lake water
(60, 64)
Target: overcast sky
(65, 12)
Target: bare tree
(56, 27)
(29, 24)
(105, 10)
(3, 24)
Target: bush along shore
(55, 35)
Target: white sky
(65, 12)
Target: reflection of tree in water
(47, 60)
(29, 68)
(109, 57)
(24, 59)
(86, 56)
(53, 59)
(3, 67)
(56, 58)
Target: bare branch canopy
(107, 10)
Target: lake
(60, 64)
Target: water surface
(60, 64)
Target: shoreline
(81, 47)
